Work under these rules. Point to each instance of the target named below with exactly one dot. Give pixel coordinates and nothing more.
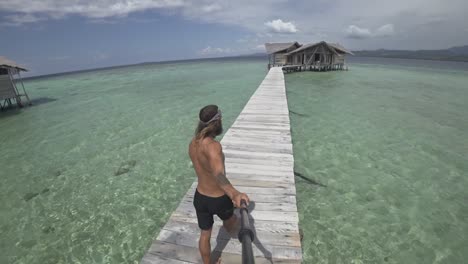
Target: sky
(50, 36)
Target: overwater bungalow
(10, 78)
(277, 52)
(320, 56)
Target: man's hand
(238, 197)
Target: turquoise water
(390, 142)
(95, 168)
(92, 171)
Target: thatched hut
(316, 56)
(324, 54)
(10, 77)
(277, 52)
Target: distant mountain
(451, 54)
(462, 50)
(256, 55)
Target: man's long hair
(206, 126)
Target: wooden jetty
(259, 162)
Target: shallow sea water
(390, 142)
(92, 171)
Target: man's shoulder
(212, 144)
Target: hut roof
(332, 46)
(4, 62)
(275, 47)
(337, 46)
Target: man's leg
(204, 245)
(231, 225)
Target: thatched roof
(276, 47)
(332, 46)
(337, 46)
(6, 63)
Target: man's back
(215, 195)
(203, 154)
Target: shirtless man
(214, 195)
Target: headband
(214, 118)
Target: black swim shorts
(206, 207)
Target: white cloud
(88, 8)
(103, 21)
(318, 19)
(385, 30)
(259, 48)
(278, 26)
(211, 8)
(356, 32)
(214, 51)
(19, 19)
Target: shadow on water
(224, 237)
(42, 100)
(11, 111)
(308, 180)
(298, 114)
(14, 109)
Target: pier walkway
(259, 162)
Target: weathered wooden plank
(274, 206)
(273, 125)
(266, 113)
(260, 225)
(291, 239)
(258, 148)
(244, 176)
(260, 136)
(255, 166)
(259, 139)
(258, 190)
(258, 183)
(259, 118)
(260, 127)
(271, 101)
(249, 122)
(262, 190)
(255, 172)
(278, 101)
(231, 246)
(150, 258)
(168, 250)
(287, 216)
(185, 253)
(263, 155)
(266, 198)
(259, 162)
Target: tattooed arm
(219, 171)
